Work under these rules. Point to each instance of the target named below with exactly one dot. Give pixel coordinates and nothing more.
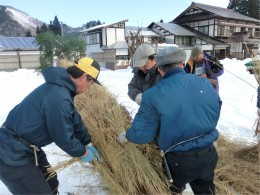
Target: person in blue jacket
(182, 110)
(46, 115)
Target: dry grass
(136, 169)
(128, 169)
(237, 169)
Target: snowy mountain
(14, 22)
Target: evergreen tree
(38, 30)
(51, 27)
(248, 8)
(92, 24)
(28, 33)
(56, 26)
(43, 28)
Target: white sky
(78, 12)
(238, 114)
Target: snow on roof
(102, 26)
(145, 32)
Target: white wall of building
(207, 47)
(9, 60)
(93, 48)
(111, 36)
(211, 31)
(203, 23)
(104, 38)
(121, 52)
(169, 39)
(120, 34)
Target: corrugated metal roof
(22, 43)
(173, 28)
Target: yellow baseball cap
(89, 66)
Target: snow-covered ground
(238, 114)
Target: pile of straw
(128, 169)
(238, 168)
(136, 169)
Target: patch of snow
(22, 18)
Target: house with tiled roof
(185, 38)
(106, 44)
(220, 31)
(241, 33)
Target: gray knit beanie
(195, 52)
(170, 55)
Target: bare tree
(156, 41)
(133, 42)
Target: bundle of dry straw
(126, 169)
(238, 170)
(136, 169)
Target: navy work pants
(193, 167)
(29, 179)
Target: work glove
(121, 138)
(92, 153)
(96, 153)
(88, 156)
(138, 98)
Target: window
(182, 40)
(121, 25)
(243, 29)
(231, 30)
(250, 30)
(204, 29)
(93, 39)
(221, 30)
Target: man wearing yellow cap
(46, 115)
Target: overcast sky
(75, 13)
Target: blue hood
(50, 76)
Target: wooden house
(239, 32)
(106, 44)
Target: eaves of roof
(173, 28)
(218, 11)
(102, 26)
